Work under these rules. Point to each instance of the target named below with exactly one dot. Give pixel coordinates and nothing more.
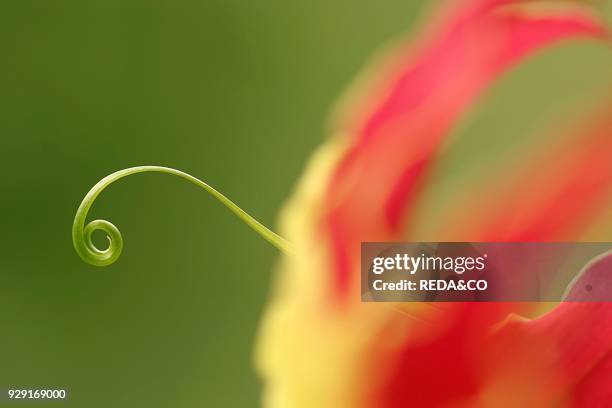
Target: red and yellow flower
(320, 346)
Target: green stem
(82, 234)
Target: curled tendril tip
(82, 233)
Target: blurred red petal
(595, 390)
(571, 347)
(594, 283)
(562, 358)
(393, 139)
(555, 192)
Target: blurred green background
(234, 92)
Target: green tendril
(82, 234)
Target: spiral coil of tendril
(82, 234)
